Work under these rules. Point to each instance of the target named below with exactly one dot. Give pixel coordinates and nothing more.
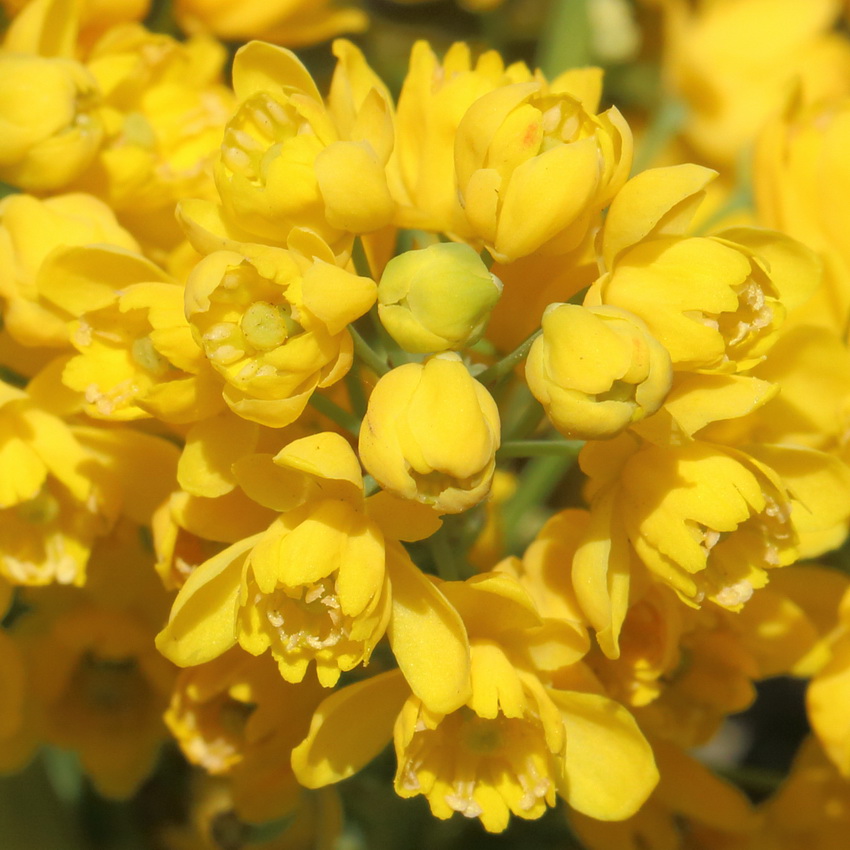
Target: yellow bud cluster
(395, 411)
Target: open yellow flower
(49, 507)
(322, 583)
(285, 162)
(514, 144)
(136, 356)
(30, 229)
(433, 100)
(715, 303)
(510, 748)
(235, 717)
(274, 328)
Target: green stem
(519, 426)
(356, 395)
(506, 365)
(665, 124)
(565, 39)
(370, 486)
(539, 448)
(445, 557)
(359, 258)
(366, 354)
(335, 413)
(521, 513)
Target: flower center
(307, 617)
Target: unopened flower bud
(438, 298)
(431, 433)
(49, 129)
(596, 370)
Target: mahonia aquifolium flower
(222, 414)
(274, 327)
(430, 433)
(596, 370)
(437, 299)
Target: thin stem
(521, 514)
(359, 258)
(335, 413)
(665, 124)
(565, 38)
(356, 394)
(444, 556)
(520, 422)
(366, 354)
(505, 366)
(539, 448)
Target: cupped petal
(349, 729)
(656, 202)
(260, 66)
(202, 624)
(609, 768)
(427, 636)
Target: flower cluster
(414, 411)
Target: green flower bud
(437, 299)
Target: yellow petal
(259, 66)
(609, 768)
(427, 637)
(349, 729)
(202, 624)
(656, 202)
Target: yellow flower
(165, 108)
(732, 63)
(285, 163)
(684, 670)
(50, 124)
(514, 144)
(98, 684)
(236, 717)
(715, 303)
(708, 521)
(274, 327)
(508, 749)
(30, 229)
(322, 583)
(49, 507)
(436, 299)
(596, 370)
(430, 433)
(293, 24)
(136, 354)
(432, 103)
